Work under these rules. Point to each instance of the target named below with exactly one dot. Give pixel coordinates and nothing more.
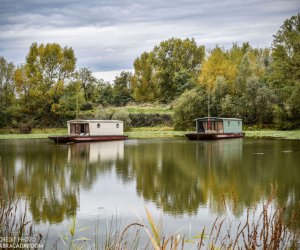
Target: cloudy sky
(107, 35)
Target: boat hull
(216, 136)
(97, 138)
(59, 139)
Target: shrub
(87, 106)
(189, 106)
(150, 120)
(5, 119)
(103, 114)
(26, 129)
(122, 115)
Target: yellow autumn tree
(218, 64)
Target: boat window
(98, 125)
(117, 125)
(228, 123)
(239, 123)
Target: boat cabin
(210, 125)
(95, 127)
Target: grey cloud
(108, 35)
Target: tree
(105, 93)
(88, 83)
(218, 64)
(122, 89)
(285, 74)
(7, 96)
(144, 84)
(71, 101)
(40, 81)
(173, 56)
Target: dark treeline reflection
(177, 175)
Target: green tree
(88, 83)
(71, 101)
(105, 93)
(285, 74)
(189, 106)
(40, 81)
(122, 89)
(144, 84)
(173, 56)
(7, 87)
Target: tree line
(260, 85)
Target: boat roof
(94, 121)
(217, 119)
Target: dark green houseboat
(213, 128)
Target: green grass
(147, 132)
(293, 134)
(35, 134)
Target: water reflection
(177, 175)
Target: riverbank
(147, 132)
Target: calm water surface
(178, 180)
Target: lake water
(179, 181)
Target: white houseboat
(92, 130)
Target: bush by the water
(150, 120)
(189, 106)
(122, 115)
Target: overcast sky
(107, 35)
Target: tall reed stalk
(15, 228)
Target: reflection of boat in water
(95, 152)
(214, 128)
(92, 130)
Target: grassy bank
(35, 134)
(291, 135)
(147, 132)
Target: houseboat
(92, 130)
(214, 128)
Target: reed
(15, 229)
(264, 227)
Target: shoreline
(150, 132)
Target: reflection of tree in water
(177, 175)
(50, 175)
(161, 179)
(181, 175)
(39, 172)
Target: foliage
(70, 101)
(189, 106)
(261, 86)
(40, 81)
(122, 115)
(167, 71)
(88, 84)
(103, 114)
(144, 83)
(284, 75)
(105, 95)
(6, 84)
(150, 120)
(217, 64)
(122, 89)
(7, 88)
